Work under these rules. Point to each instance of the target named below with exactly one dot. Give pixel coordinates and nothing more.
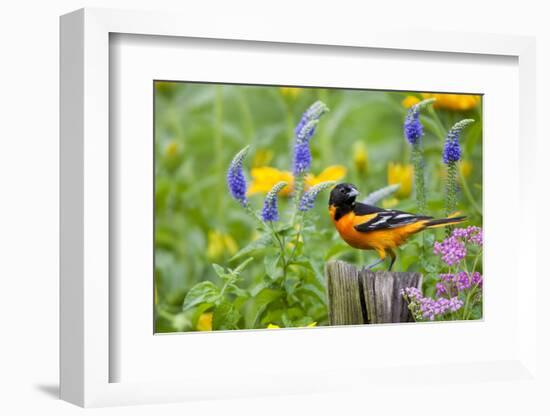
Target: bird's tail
(452, 219)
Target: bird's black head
(343, 196)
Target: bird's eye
(342, 191)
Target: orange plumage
(378, 240)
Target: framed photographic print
(279, 214)
(242, 244)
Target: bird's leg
(376, 263)
(382, 255)
(393, 257)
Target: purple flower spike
(413, 129)
(451, 149)
(314, 112)
(304, 131)
(308, 199)
(235, 177)
(270, 211)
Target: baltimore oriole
(367, 227)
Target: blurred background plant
(200, 127)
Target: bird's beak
(353, 192)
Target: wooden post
(360, 296)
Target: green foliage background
(200, 127)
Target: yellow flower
(332, 173)
(402, 175)
(262, 157)
(290, 92)
(409, 101)
(389, 202)
(171, 149)
(219, 244)
(273, 326)
(360, 157)
(465, 167)
(204, 322)
(264, 178)
(457, 102)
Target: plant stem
(275, 236)
(298, 192)
(298, 235)
(450, 201)
(420, 187)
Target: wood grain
(363, 296)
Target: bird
(368, 227)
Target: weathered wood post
(360, 296)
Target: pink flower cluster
(457, 282)
(453, 249)
(428, 308)
(471, 234)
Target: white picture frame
(86, 355)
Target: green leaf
(219, 270)
(261, 243)
(270, 263)
(335, 250)
(225, 317)
(312, 291)
(313, 266)
(241, 266)
(260, 302)
(203, 292)
(287, 230)
(237, 291)
(287, 323)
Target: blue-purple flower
(304, 131)
(270, 211)
(309, 197)
(451, 149)
(236, 181)
(412, 128)
(314, 112)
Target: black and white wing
(379, 219)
